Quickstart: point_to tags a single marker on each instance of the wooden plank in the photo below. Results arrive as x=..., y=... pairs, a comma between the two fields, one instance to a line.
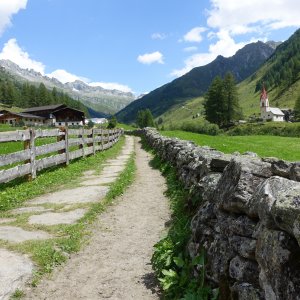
x=98, y=148
x=75, y=142
x=8, y=159
x=13, y=173
x=87, y=131
x=94, y=142
x=88, y=140
x=75, y=154
x=49, y=133
x=53, y=147
x=98, y=138
x=88, y=150
x=97, y=130
x=75, y=132
x=18, y=135
x=50, y=161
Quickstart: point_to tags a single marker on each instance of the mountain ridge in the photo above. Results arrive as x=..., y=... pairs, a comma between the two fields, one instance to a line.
x=196, y=82
x=97, y=98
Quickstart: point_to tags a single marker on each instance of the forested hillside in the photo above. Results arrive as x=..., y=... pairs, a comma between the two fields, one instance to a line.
x=14, y=93
x=196, y=82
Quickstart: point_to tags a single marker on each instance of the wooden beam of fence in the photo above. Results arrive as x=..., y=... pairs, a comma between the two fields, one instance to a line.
x=89, y=142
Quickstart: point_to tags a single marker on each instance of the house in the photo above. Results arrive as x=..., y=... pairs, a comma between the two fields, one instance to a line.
x=50, y=115
x=269, y=113
x=58, y=115
x=12, y=118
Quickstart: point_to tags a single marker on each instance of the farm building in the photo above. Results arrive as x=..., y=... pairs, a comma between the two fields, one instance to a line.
x=12, y=118
x=57, y=115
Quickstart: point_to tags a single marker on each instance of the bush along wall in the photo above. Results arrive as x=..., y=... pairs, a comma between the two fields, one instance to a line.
x=247, y=220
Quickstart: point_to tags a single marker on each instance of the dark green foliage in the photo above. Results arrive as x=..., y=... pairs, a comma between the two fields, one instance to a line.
x=272, y=128
x=284, y=65
x=112, y=123
x=297, y=109
x=144, y=118
x=196, y=82
x=203, y=127
x=26, y=95
x=221, y=101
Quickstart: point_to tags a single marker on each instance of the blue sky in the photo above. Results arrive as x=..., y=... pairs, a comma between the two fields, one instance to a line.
x=135, y=45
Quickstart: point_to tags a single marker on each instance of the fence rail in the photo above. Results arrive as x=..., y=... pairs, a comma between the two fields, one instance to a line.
x=70, y=144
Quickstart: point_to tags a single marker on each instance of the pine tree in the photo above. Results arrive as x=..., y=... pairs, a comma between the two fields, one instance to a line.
x=214, y=105
x=221, y=101
x=145, y=118
x=233, y=110
x=297, y=109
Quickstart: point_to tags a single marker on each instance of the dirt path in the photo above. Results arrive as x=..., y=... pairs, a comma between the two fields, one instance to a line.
x=116, y=263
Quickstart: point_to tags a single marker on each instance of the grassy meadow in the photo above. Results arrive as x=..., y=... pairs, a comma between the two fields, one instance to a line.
x=286, y=148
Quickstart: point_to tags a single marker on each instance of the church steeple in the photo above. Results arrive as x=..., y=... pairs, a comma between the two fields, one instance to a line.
x=264, y=101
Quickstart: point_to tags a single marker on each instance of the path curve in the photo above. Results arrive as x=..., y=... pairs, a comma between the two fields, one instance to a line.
x=116, y=263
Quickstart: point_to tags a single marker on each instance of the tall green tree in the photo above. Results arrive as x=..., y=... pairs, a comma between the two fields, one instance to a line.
x=214, y=104
x=221, y=101
x=112, y=123
x=233, y=109
x=144, y=118
x=297, y=109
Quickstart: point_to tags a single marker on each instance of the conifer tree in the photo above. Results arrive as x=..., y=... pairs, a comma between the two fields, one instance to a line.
x=297, y=109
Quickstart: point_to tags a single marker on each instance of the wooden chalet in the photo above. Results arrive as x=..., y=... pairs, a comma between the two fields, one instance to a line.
x=57, y=115
x=12, y=118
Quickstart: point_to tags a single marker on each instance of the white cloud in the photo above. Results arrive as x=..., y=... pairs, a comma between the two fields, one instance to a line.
x=196, y=60
x=240, y=17
x=112, y=86
x=194, y=35
x=150, y=58
x=64, y=76
x=190, y=49
x=158, y=36
x=13, y=52
x=7, y=9
x=224, y=46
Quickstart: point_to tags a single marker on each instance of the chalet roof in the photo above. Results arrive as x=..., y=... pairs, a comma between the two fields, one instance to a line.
x=70, y=108
x=276, y=111
x=46, y=107
x=23, y=115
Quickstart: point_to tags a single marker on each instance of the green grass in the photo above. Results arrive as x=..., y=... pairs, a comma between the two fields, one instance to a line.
x=14, y=193
x=182, y=113
x=126, y=126
x=286, y=148
x=47, y=254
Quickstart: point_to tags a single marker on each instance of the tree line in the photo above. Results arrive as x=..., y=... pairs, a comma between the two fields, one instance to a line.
x=24, y=95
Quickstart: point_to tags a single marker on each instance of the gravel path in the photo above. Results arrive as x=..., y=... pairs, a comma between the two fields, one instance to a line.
x=116, y=262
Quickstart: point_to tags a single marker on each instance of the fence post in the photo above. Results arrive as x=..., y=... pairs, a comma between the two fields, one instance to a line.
x=30, y=144
x=94, y=142
x=81, y=146
x=102, y=139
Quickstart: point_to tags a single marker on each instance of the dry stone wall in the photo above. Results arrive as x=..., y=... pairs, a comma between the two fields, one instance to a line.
x=248, y=219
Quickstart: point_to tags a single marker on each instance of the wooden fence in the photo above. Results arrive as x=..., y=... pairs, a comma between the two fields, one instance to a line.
x=70, y=144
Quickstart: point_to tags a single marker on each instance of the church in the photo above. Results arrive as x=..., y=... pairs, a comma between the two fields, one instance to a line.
x=269, y=113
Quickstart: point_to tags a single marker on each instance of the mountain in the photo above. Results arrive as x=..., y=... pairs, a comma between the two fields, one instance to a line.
x=97, y=98
x=281, y=76
x=196, y=82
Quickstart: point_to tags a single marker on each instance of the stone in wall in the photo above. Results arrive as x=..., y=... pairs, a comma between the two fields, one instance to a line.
x=248, y=218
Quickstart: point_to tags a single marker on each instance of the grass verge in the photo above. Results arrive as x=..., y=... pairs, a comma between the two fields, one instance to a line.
x=286, y=148
x=171, y=261
x=14, y=193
